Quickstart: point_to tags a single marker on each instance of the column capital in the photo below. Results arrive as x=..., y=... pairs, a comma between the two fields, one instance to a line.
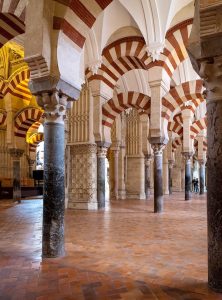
x=158, y=148
x=16, y=153
x=211, y=72
x=187, y=155
x=54, y=104
x=101, y=151
x=201, y=161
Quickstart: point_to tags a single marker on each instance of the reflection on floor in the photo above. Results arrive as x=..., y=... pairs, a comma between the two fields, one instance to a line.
x=124, y=253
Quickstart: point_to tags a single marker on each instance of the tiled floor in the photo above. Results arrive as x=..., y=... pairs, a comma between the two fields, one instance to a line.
x=124, y=253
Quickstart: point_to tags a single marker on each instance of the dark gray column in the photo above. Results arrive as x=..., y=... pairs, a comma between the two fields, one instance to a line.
x=206, y=54
x=148, y=159
x=101, y=173
x=158, y=177
x=202, y=176
x=16, y=154
x=188, y=175
x=116, y=171
x=54, y=185
x=214, y=192
x=171, y=162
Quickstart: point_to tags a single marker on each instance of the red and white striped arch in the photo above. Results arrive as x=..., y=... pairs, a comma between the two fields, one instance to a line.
x=177, y=142
x=34, y=140
x=121, y=102
x=130, y=53
x=179, y=95
x=178, y=118
x=175, y=47
x=25, y=119
x=118, y=58
x=76, y=17
x=3, y=117
x=12, y=17
x=176, y=127
x=204, y=144
x=197, y=127
x=35, y=126
x=17, y=85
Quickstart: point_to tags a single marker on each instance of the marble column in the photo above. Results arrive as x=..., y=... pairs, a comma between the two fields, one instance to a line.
x=188, y=175
x=214, y=192
x=202, y=175
x=54, y=104
x=16, y=154
x=165, y=173
x=101, y=173
x=116, y=171
x=170, y=164
x=148, y=159
x=122, y=185
x=158, y=177
x=206, y=54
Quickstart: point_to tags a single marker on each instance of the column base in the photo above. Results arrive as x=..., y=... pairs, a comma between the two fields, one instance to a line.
x=188, y=197
x=136, y=196
x=219, y=291
x=122, y=194
x=84, y=205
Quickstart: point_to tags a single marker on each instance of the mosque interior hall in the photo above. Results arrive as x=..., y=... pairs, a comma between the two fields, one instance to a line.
x=110, y=149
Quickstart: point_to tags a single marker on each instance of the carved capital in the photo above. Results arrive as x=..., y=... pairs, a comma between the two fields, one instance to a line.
x=101, y=152
x=201, y=162
x=16, y=153
x=187, y=156
x=157, y=149
x=54, y=105
x=211, y=72
x=155, y=49
x=95, y=65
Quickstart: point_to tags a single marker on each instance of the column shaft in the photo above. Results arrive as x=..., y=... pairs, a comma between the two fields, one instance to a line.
x=202, y=177
x=158, y=178
x=214, y=192
x=101, y=172
x=188, y=179
x=170, y=177
x=116, y=172
x=54, y=190
x=147, y=176
x=16, y=155
x=16, y=181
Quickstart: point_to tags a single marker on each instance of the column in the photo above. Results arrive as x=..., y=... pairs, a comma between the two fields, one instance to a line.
x=158, y=177
x=54, y=104
x=101, y=173
x=148, y=159
x=31, y=163
x=170, y=164
x=121, y=185
x=202, y=175
x=16, y=154
x=214, y=192
x=116, y=171
x=165, y=173
x=188, y=175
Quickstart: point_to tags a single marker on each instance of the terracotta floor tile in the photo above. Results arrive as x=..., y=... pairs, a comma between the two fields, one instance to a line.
x=126, y=252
